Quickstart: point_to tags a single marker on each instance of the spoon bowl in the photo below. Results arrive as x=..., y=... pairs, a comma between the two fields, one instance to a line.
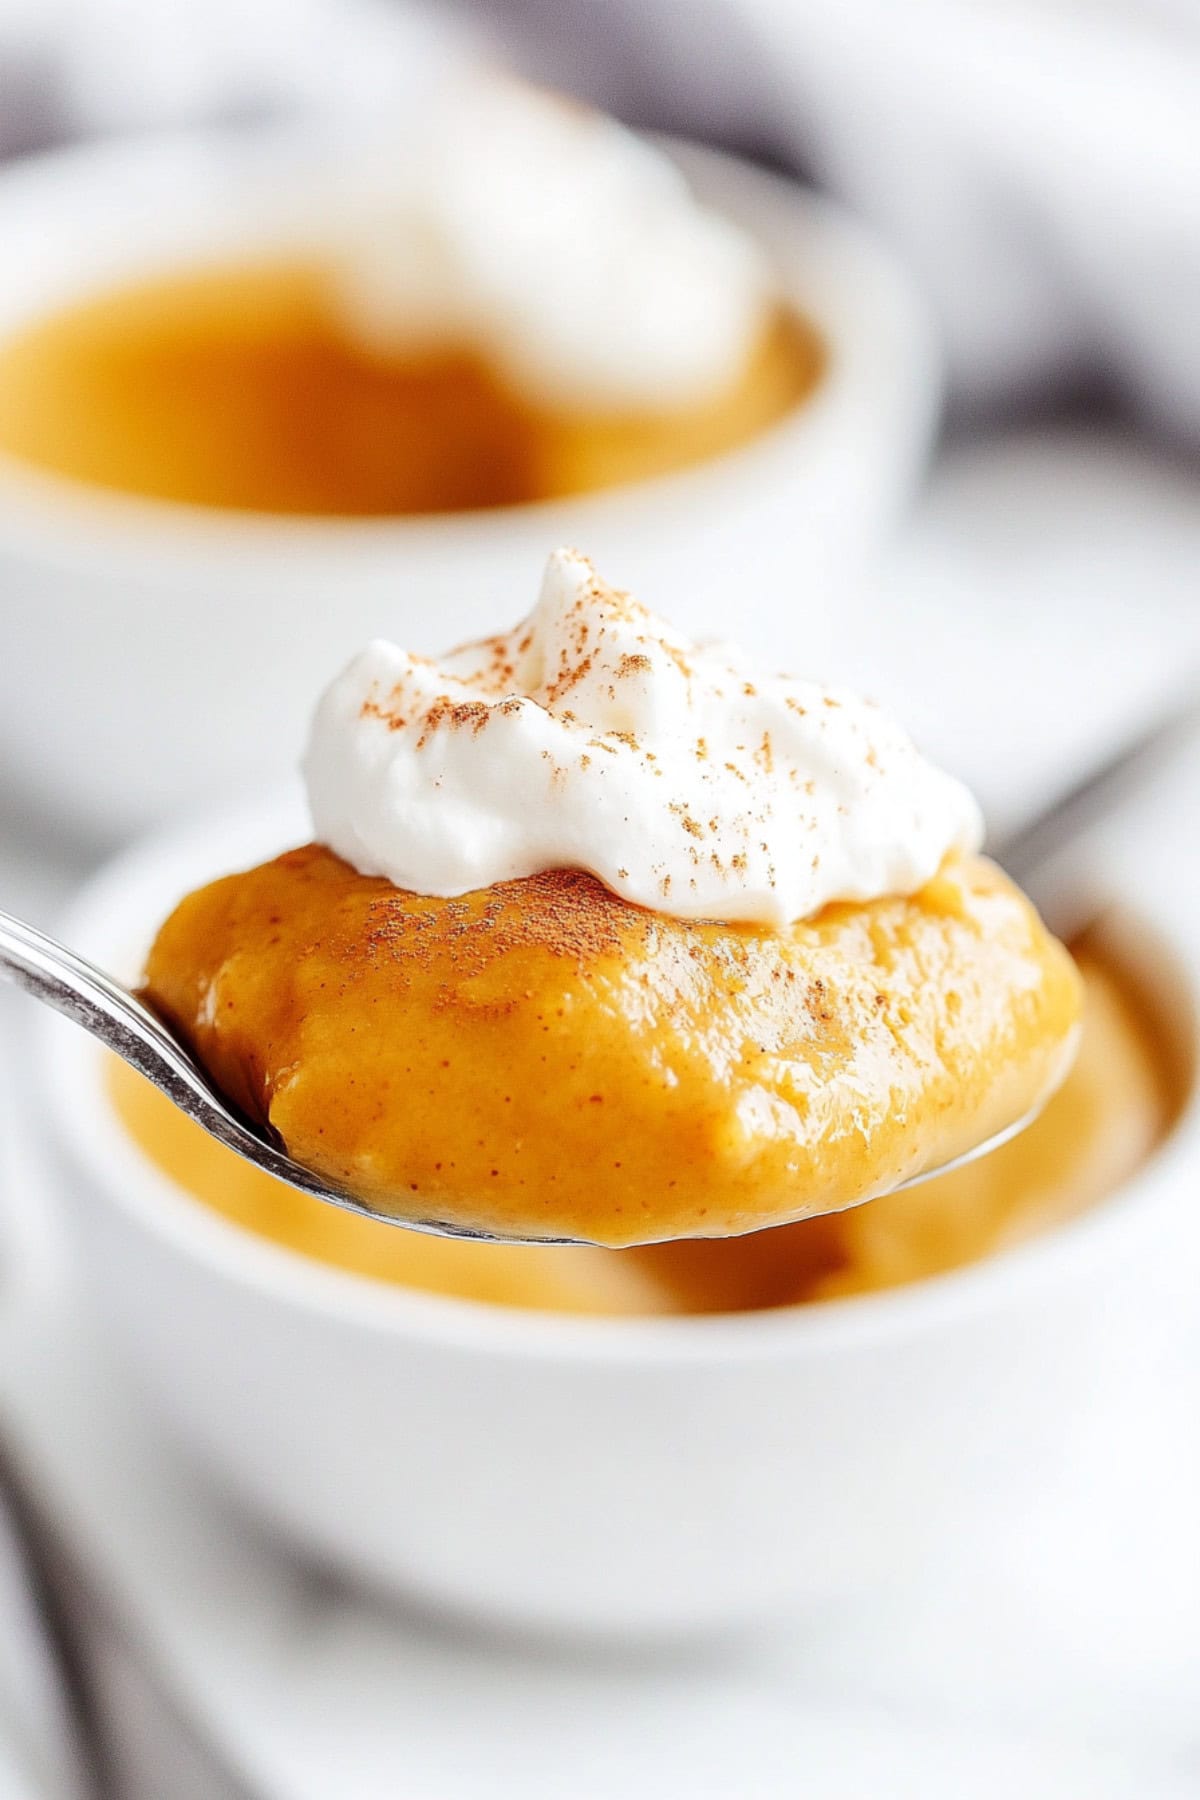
x=114, y=1014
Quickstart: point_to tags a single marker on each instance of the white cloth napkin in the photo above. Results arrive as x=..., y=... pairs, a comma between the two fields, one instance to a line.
x=39, y=1746
x=33, y=1729
x=110, y=65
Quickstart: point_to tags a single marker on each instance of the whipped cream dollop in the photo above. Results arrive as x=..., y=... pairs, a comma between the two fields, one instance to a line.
x=567, y=250
x=593, y=736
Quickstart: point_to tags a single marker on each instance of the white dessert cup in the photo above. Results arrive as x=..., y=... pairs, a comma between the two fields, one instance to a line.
x=607, y=1475
x=156, y=652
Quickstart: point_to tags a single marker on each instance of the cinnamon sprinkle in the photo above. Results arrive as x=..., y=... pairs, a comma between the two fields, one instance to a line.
x=471, y=715
x=564, y=912
x=371, y=709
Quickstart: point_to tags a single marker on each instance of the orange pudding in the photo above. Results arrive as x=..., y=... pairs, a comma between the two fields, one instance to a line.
x=1101, y=1125
x=543, y=1059
x=241, y=387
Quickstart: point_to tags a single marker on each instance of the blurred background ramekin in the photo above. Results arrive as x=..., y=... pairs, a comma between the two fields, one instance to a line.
x=634, y=1476
x=157, y=653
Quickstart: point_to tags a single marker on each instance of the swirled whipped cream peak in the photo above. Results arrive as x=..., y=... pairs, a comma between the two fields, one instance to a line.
x=565, y=249
x=595, y=737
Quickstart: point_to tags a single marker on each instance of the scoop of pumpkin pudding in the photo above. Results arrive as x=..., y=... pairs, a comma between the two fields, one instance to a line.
x=607, y=936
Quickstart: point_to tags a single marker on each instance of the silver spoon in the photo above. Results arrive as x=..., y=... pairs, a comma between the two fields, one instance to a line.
x=84, y=993
x=80, y=991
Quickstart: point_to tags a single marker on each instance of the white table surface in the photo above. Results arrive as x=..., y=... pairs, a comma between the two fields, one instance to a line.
x=1053, y=588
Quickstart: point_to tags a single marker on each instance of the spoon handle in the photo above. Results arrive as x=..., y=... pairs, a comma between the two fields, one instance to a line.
x=1104, y=791
x=85, y=994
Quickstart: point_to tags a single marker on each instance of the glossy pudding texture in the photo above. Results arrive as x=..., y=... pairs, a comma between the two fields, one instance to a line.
x=542, y=1059
x=243, y=386
x=1112, y=1109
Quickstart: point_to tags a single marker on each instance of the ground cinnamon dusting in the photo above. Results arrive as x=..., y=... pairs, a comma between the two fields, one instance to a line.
x=471, y=715
x=564, y=912
x=371, y=709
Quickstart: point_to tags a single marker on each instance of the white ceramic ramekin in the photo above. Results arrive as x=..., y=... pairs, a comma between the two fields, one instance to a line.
x=607, y=1475
x=155, y=652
